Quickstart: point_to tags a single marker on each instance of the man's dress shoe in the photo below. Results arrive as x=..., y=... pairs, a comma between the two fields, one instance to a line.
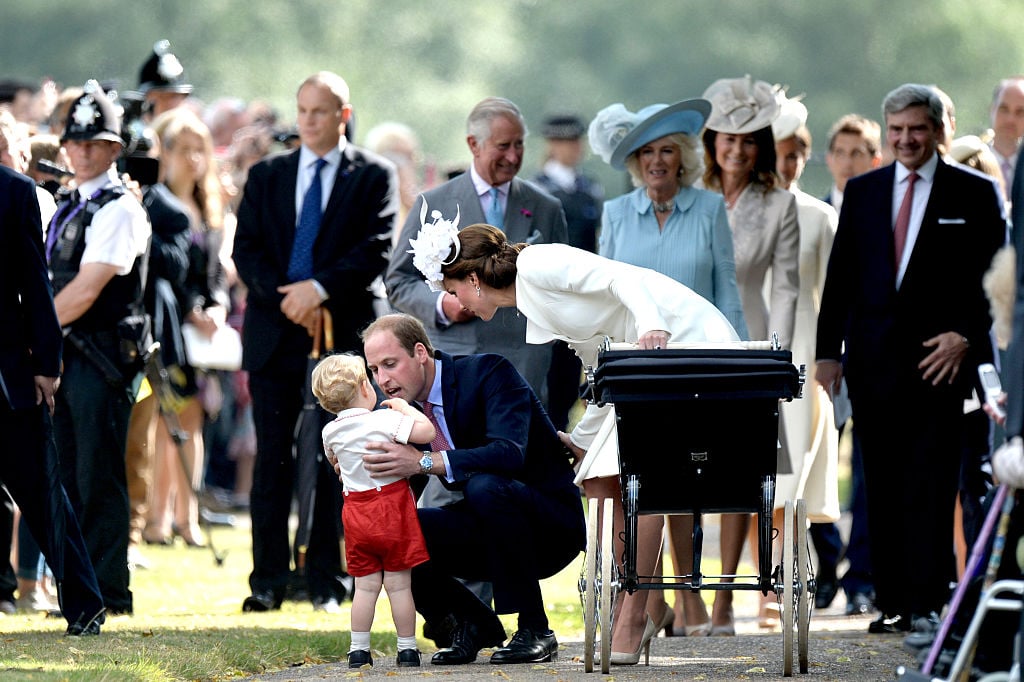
x=859, y=604
x=825, y=593
x=890, y=625
x=528, y=646
x=261, y=601
x=464, y=648
x=358, y=658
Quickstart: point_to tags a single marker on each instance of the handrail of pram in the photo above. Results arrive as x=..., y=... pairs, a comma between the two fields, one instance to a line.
x=723, y=345
x=770, y=344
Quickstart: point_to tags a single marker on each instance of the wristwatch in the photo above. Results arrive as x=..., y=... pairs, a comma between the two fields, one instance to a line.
x=426, y=463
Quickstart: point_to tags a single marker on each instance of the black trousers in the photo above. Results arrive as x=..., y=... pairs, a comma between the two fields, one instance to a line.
x=504, y=532
x=278, y=395
x=29, y=469
x=91, y=428
x=911, y=442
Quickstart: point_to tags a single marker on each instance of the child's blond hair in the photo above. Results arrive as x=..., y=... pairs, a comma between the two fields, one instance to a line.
x=336, y=381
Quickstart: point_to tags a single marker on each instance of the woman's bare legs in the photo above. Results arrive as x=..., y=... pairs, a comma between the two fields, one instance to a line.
x=631, y=612
x=734, y=534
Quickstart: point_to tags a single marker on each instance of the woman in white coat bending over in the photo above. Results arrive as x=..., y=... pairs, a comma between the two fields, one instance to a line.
x=580, y=298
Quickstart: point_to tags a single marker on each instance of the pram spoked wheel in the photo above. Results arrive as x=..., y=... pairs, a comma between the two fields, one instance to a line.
x=598, y=585
x=796, y=586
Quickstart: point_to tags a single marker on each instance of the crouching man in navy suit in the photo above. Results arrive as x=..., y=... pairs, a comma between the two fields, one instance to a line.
x=520, y=519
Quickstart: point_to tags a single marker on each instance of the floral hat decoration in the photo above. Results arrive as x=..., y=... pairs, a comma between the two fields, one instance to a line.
x=740, y=106
x=435, y=245
x=616, y=132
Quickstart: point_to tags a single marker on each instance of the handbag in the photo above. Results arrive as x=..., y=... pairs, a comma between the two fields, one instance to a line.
x=222, y=351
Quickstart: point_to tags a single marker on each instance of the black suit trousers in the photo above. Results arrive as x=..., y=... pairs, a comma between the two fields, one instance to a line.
x=278, y=394
x=30, y=471
x=503, y=531
x=911, y=470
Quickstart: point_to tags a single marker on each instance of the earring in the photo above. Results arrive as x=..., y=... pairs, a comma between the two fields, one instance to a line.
x=478, y=291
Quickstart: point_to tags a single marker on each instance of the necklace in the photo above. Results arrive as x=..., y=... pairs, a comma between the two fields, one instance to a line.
x=662, y=206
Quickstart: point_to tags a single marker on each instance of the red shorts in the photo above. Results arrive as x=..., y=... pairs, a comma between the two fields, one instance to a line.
x=382, y=531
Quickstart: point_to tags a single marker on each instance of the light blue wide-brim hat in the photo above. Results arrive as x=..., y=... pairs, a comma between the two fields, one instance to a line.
x=621, y=133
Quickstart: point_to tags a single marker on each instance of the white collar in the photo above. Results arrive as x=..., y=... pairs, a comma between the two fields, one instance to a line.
x=483, y=187
x=926, y=172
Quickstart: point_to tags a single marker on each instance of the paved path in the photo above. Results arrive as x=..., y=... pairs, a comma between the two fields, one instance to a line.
x=839, y=649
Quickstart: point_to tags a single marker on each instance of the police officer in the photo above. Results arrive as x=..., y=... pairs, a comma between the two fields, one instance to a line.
x=581, y=199
x=97, y=246
x=162, y=83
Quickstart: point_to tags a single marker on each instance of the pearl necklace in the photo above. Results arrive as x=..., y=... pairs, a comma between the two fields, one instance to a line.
x=662, y=206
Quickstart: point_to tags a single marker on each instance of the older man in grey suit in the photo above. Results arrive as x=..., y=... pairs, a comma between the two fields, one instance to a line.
x=489, y=192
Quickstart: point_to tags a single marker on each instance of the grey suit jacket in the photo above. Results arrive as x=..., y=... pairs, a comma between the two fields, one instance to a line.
x=531, y=215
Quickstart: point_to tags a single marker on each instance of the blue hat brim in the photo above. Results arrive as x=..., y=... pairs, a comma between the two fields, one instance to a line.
x=686, y=117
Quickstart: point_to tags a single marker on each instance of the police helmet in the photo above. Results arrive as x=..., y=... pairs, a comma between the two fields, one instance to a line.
x=93, y=117
x=163, y=71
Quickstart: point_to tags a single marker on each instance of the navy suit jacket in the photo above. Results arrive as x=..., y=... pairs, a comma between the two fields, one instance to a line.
x=531, y=215
x=499, y=426
x=963, y=226
x=349, y=253
x=31, y=342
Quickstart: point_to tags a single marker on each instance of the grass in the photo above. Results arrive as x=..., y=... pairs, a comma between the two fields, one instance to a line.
x=188, y=625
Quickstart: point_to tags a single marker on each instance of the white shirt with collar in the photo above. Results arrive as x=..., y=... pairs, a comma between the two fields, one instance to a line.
x=483, y=190
x=922, y=191
x=120, y=231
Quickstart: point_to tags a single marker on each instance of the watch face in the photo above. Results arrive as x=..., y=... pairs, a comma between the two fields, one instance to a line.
x=426, y=463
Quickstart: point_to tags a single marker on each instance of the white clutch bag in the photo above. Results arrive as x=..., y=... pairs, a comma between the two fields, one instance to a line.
x=221, y=351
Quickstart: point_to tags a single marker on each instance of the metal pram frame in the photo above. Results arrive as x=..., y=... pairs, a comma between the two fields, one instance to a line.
x=717, y=405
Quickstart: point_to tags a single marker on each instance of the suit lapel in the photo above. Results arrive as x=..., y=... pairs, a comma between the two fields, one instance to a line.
x=346, y=165
x=518, y=213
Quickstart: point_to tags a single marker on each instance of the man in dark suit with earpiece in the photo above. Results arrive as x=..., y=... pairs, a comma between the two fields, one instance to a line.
x=314, y=226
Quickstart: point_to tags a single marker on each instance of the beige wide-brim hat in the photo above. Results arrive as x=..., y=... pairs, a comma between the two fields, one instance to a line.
x=741, y=105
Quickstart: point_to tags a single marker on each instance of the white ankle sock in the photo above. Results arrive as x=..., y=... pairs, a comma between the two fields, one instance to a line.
x=360, y=641
x=406, y=643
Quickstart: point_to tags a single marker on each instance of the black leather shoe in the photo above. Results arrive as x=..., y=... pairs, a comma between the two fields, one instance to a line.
x=527, y=646
x=889, y=625
x=859, y=604
x=464, y=648
x=825, y=593
x=359, y=658
x=441, y=631
x=408, y=658
x=85, y=626
x=261, y=601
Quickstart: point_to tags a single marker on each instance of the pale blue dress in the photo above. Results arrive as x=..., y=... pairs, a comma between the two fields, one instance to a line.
x=695, y=247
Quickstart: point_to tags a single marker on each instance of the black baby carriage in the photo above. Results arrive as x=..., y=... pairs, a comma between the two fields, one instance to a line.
x=721, y=405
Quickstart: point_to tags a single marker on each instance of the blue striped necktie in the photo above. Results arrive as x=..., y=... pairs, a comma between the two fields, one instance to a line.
x=300, y=265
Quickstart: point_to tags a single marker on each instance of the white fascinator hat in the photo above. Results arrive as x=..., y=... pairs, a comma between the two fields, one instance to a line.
x=436, y=244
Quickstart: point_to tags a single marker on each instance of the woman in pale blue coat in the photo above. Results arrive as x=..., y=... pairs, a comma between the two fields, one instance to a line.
x=668, y=225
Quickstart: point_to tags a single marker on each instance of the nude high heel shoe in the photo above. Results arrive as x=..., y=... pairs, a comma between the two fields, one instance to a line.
x=619, y=658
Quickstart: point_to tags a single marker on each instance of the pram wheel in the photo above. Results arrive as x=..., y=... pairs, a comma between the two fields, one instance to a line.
x=795, y=583
x=588, y=586
x=608, y=583
x=598, y=584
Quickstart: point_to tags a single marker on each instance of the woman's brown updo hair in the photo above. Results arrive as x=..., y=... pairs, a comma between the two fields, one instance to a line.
x=486, y=251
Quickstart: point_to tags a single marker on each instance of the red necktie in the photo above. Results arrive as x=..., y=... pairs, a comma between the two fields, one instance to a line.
x=440, y=443
x=903, y=219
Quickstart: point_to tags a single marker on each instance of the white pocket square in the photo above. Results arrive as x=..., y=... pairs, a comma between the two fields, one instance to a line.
x=952, y=221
